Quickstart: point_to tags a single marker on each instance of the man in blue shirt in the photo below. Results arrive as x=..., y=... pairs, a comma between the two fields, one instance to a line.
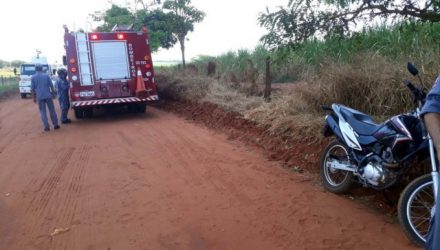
x=431, y=115
x=42, y=91
x=63, y=94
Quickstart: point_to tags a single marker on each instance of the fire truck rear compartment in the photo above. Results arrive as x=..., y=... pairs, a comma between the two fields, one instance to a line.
x=109, y=69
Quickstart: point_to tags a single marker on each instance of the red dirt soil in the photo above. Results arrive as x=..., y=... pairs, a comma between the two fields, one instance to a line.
x=277, y=147
x=156, y=181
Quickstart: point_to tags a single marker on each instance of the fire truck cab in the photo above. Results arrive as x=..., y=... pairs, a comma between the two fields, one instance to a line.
x=109, y=68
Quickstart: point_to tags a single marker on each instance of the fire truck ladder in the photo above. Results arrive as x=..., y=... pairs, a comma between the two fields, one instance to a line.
x=84, y=60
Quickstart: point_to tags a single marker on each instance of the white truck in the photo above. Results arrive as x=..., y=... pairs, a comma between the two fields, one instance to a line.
x=27, y=70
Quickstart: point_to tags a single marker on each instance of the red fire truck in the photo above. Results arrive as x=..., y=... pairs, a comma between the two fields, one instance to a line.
x=109, y=68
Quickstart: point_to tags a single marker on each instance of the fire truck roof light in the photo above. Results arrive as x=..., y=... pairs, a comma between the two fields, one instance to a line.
x=94, y=36
x=120, y=36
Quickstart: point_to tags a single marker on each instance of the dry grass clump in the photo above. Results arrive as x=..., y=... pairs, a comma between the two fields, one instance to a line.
x=289, y=115
x=372, y=85
x=182, y=86
x=232, y=98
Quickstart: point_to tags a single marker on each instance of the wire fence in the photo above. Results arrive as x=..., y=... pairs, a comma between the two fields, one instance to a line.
x=8, y=84
x=7, y=80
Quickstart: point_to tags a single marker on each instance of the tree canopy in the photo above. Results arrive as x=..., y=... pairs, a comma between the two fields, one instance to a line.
x=305, y=19
x=168, y=24
x=115, y=15
x=183, y=18
x=158, y=23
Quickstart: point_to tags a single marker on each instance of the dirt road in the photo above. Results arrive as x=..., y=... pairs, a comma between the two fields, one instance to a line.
x=156, y=181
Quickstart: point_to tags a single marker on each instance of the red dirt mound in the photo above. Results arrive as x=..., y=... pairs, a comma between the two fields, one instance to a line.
x=294, y=154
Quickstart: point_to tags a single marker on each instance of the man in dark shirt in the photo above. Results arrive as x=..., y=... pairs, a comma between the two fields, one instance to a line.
x=43, y=92
x=63, y=94
x=431, y=115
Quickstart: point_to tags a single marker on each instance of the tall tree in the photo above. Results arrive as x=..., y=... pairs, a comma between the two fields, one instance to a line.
x=146, y=3
x=3, y=63
x=184, y=16
x=159, y=24
x=17, y=63
x=304, y=19
x=112, y=16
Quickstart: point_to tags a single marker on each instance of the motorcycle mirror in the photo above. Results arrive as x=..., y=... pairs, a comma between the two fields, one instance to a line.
x=412, y=69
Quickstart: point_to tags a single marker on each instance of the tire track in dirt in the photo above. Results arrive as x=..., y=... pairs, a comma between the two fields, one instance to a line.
x=48, y=185
x=68, y=208
x=47, y=188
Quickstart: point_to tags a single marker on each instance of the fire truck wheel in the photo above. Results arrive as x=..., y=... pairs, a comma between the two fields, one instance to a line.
x=23, y=95
x=79, y=113
x=141, y=108
x=137, y=108
x=88, y=113
x=131, y=108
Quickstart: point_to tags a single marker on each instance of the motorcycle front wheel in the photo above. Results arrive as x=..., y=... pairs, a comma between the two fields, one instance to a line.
x=415, y=207
x=336, y=180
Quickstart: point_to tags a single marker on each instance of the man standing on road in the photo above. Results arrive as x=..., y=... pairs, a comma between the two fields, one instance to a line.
x=63, y=94
x=431, y=115
x=43, y=92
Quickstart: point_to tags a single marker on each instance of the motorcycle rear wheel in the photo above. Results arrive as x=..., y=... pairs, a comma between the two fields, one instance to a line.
x=336, y=180
x=415, y=207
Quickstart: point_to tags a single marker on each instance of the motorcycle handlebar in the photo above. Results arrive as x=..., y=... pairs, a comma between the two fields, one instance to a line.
x=409, y=84
x=325, y=107
x=418, y=94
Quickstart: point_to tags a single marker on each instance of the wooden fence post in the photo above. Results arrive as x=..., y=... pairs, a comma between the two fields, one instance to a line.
x=268, y=87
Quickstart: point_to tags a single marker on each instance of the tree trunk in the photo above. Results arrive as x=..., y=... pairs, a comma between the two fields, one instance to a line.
x=182, y=49
x=268, y=87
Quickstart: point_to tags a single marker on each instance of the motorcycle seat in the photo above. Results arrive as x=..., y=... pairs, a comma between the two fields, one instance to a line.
x=362, y=123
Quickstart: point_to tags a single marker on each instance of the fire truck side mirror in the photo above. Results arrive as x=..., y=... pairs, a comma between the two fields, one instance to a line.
x=65, y=60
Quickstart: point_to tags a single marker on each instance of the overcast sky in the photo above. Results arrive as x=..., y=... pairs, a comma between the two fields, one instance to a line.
x=29, y=25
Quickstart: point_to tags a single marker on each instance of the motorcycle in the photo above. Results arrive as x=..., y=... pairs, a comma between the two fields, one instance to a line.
x=378, y=155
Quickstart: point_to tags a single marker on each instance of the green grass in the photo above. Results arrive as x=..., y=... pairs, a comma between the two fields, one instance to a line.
x=6, y=73
x=8, y=81
x=403, y=40
x=5, y=88
x=406, y=41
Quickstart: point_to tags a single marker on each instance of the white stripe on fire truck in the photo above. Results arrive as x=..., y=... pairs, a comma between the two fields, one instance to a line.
x=116, y=100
